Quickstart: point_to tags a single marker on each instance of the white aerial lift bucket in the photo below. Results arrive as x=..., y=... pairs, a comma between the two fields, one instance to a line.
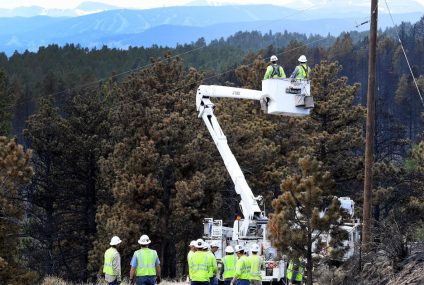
x=288, y=98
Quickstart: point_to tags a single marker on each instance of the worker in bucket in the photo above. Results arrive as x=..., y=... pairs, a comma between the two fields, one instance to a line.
x=242, y=274
x=302, y=71
x=256, y=265
x=112, y=264
x=274, y=70
x=145, y=264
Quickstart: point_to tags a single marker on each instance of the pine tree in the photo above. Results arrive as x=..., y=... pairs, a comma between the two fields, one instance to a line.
x=64, y=192
x=333, y=132
x=15, y=172
x=415, y=205
x=298, y=221
x=44, y=134
x=154, y=126
x=6, y=106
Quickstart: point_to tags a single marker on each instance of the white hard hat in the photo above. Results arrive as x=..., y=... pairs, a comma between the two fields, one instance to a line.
x=144, y=240
x=193, y=243
x=239, y=247
x=215, y=243
x=273, y=58
x=199, y=243
x=206, y=245
x=229, y=249
x=115, y=240
x=302, y=58
x=255, y=248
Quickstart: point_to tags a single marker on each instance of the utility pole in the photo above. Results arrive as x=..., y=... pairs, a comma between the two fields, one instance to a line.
x=369, y=142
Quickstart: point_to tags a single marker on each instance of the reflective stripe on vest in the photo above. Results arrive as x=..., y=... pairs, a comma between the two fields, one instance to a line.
x=255, y=267
x=229, y=262
x=198, y=266
x=243, y=268
x=275, y=71
x=108, y=265
x=303, y=71
x=213, y=267
x=146, y=262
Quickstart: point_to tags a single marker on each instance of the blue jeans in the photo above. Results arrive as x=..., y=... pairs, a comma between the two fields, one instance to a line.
x=145, y=280
x=199, y=283
x=228, y=281
x=213, y=281
x=242, y=282
x=114, y=282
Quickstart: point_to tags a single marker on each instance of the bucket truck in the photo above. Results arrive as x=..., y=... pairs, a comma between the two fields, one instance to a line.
x=278, y=97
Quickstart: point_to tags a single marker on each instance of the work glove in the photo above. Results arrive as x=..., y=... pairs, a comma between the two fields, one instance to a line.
x=158, y=279
x=131, y=281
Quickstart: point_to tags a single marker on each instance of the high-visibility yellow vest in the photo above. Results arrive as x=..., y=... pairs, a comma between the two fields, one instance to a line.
x=243, y=268
x=274, y=71
x=109, y=255
x=189, y=254
x=298, y=271
x=255, y=267
x=304, y=71
x=229, y=262
x=146, y=262
x=213, y=264
x=198, y=266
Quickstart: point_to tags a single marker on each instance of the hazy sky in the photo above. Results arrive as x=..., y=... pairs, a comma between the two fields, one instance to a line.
x=146, y=4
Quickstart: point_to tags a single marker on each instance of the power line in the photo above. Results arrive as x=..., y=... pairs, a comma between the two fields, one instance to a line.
x=404, y=53
x=175, y=56
x=151, y=64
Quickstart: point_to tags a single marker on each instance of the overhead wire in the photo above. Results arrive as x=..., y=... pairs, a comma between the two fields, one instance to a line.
x=221, y=74
x=175, y=56
x=404, y=53
x=96, y=82
x=86, y=85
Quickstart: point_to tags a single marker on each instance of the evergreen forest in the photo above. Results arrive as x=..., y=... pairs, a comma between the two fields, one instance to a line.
x=103, y=142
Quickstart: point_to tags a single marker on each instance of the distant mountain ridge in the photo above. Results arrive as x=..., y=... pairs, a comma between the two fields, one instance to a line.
x=167, y=26
x=84, y=8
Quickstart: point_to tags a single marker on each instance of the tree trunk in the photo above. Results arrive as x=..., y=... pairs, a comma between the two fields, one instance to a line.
x=309, y=264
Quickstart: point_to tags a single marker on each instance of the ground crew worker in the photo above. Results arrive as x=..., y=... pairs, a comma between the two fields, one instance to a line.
x=145, y=264
x=242, y=274
x=229, y=265
x=191, y=251
x=199, y=265
x=112, y=264
x=274, y=70
x=214, y=248
x=213, y=269
x=256, y=265
x=302, y=71
x=295, y=271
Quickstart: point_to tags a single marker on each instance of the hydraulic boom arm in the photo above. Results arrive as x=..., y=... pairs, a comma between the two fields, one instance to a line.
x=248, y=204
x=274, y=99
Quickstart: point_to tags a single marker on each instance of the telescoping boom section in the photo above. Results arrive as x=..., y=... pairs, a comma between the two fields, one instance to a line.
x=279, y=97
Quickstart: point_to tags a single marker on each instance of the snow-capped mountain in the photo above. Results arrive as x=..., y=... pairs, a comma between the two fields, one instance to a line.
x=168, y=26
